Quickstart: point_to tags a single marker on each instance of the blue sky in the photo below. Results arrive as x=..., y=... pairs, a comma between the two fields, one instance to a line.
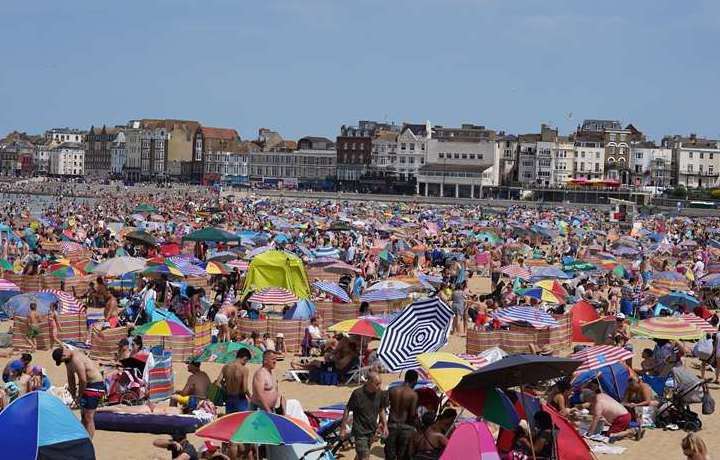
x=304, y=67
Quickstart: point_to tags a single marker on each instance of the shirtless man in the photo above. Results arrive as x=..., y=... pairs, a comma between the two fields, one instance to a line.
x=110, y=312
x=90, y=388
x=402, y=418
x=639, y=394
x=33, y=327
x=266, y=394
x=605, y=407
x=195, y=390
x=234, y=378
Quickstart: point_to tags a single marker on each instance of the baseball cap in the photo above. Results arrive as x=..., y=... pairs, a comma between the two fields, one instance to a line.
x=57, y=355
x=17, y=365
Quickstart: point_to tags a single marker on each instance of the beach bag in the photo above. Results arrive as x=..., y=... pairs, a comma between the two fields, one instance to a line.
x=708, y=403
x=704, y=350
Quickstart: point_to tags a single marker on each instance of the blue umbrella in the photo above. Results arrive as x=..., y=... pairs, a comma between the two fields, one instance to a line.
x=679, y=298
x=382, y=295
x=39, y=426
x=540, y=273
x=19, y=305
x=613, y=379
x=333, y=289
x=303, y=309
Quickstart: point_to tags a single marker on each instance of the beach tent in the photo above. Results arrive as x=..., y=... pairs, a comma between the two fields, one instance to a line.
x=581, y=313
x=277, y=269
x=471, y=440
x=39, y=426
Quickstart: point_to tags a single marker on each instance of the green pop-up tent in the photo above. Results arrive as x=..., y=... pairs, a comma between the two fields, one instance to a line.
x=277, y=269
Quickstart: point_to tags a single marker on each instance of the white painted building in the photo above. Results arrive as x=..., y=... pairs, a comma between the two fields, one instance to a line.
x=695, y=160
x=650, y=164
x=227, y=165
x=67, y=159
x=60, y=135
x=385, y=153
x=412, y=146
x=564, y=160
x=589, y=162
x=118, y=154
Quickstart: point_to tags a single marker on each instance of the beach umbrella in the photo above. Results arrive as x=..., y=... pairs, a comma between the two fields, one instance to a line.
x=224, y=256
x=273, y=296
x=259, y=428
x=710, y=281
x=212, y=234
x=188, y=269
x=670, y=281
x=600, y=330
x=530, y=315
x=679, y=298
x=517, y=371
x=144, y=207
x=445, y=369
x=303, y=309
x=422, y=327
x=600, y=356
x=553, y=286
x=327, y=252
x=241, y=265
x=163, y=328
x=6, y=285
x=70, y=248
x=699, y=323
x=163, y=269
x=5, y=265
x=118, y=266
x=217, y=268
x=388, y=284
x=68, y=302
x=670, y=328
x=66, y=271
x=141, y=236
x=429, y=281
x=257, y=251
x=39, y=426
x=333, y=289
x=359, y=326
x=539, y=273
x=384, y=295
x=541, y=294
x=322, y=261
x=19, y=305
x=471, y=439
x=226, y=352
x=491, y=404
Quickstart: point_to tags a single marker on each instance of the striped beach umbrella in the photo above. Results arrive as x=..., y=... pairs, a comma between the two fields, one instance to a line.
x=68, y=302
x=259, y=428
x=359, y=326
x=189, y=269
x=384, y=295
x=531, y=315
x=241, y=265
x=163, y=328
x=333, y=289
x=273, y=296
x=422, y=327
x=699, y=323
x=540, y=294
x=516, y=271
x=670, y=328
x=600, y=356
x=329, y=252
x=6, y=285
x=388, y=284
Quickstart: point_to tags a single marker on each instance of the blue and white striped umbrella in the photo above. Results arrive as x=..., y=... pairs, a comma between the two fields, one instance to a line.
x=383, y=295
x=327, y=252
x=189, y=269
x=332, y=289
x=531, y=315
x=422, y=327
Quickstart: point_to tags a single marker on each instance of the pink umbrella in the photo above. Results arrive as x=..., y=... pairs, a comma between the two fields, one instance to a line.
x=471, y=440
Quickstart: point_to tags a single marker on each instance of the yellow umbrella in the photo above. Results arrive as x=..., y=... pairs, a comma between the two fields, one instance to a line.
x=445, y=369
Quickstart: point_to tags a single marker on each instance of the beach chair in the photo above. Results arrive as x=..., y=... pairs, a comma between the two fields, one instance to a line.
x=297, y=375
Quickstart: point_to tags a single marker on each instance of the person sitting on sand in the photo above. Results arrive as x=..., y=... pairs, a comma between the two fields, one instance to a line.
x=194, y=391
x=639, y=394
x=429, y=443
x=179, y=447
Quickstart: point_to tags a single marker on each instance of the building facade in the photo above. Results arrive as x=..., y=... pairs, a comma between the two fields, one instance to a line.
x=60, y=135
x=650, y=164
x=312, y=164
x=118, y=155
x=695, y=160
x=67, y=159
x=16, y=154
x=98, y=149
x=354, y=151
x=220, y=155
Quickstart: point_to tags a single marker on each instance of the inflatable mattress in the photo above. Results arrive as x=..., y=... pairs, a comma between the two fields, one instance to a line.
x=146, y=423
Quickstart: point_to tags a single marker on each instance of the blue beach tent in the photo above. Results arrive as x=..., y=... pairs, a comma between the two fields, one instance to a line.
x=38, y=426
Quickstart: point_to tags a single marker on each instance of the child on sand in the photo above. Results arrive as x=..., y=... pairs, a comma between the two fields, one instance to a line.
x=54, y=325
x=33, y=327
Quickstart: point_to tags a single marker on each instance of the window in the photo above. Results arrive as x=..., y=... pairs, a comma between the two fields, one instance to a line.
x=597, y=167
x=690, y=168
x=711, y=169
x=412, y=147
x=403, y=146
x=402, y=160
x=700, y=167
x=711, y=156
x=690, y=155
x=702, y=155
x=638, y=155
x=362, y=146
x=441, y=155
x=582, y=154
x=456, y=156
x=464, y=156
x=472, y=156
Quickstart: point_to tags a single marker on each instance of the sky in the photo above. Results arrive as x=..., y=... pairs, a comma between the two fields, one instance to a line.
x=305, y=67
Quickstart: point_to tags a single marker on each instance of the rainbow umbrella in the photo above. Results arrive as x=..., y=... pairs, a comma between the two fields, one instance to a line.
x=67, y=271
x=670, y=328
x=259, y=428
x=163, y=328
x=554, y=287
x=492, y=404
x=541, y=294
x=216, y=268
x=362, y=327
x=164, y=269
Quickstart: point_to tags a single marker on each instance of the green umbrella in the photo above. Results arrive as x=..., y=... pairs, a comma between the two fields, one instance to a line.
x=225, y=352
x=142, y=237
x=212, y=234
x=5, y=265
x=144, y=207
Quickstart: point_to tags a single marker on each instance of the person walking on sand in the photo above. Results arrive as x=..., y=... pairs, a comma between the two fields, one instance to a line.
x=402, y=418
x=54, y=324
x=367, y=404
x=266, y=394
x=88, y=389
x=33, y=327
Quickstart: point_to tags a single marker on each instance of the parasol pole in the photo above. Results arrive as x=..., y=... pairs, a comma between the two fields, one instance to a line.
x=530, y=434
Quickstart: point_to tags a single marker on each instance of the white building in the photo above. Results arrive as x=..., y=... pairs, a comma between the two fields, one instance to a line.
x=456, y=160
x=60, y=135
x=412, y=149
x=67, y=159
x=118, y=154
x=41, y=157
x=227, y=165
x=564, y=160
x=695, y=160
x=589, y=162
x=384, y=157
x=650, y=164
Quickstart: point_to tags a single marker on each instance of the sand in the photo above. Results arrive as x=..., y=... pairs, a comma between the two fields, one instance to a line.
x=657, y=444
